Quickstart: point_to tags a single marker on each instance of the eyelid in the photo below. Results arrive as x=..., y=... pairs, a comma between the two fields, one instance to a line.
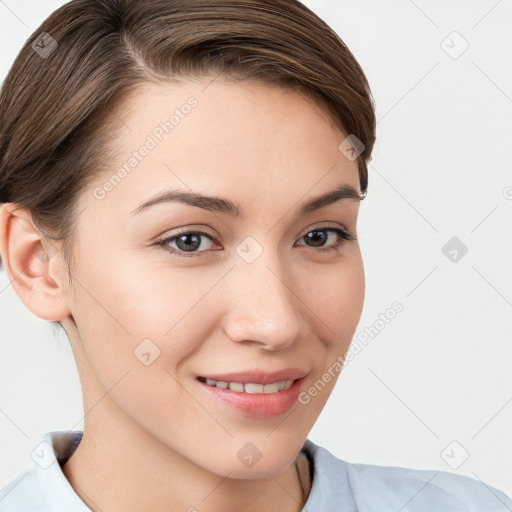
x=324, y=225
x=194, y=228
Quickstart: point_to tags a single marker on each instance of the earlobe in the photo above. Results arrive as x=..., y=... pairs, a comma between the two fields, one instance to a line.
x=31, y=263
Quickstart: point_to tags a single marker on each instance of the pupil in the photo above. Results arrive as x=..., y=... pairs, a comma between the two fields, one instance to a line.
x=188, y=246
x=316, y=236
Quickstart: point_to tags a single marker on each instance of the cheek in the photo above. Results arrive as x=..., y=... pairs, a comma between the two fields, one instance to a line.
x=336, y=299
x=335, y=296
x=131, y=313
x=134, y=333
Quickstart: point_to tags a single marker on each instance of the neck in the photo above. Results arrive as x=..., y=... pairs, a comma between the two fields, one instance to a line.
x=131, y=473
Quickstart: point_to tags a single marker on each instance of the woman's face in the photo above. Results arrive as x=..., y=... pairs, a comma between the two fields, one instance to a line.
x=261, y=290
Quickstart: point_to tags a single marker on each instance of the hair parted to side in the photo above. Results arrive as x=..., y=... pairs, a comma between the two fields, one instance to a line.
x=57, y=113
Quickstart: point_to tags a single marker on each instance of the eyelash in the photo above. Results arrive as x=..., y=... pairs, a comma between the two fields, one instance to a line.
x=343, y=236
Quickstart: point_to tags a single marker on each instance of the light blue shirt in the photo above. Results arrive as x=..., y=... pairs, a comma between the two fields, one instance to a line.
x=338, y=486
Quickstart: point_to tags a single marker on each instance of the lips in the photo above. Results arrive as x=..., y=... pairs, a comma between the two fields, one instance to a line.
x=255, y=393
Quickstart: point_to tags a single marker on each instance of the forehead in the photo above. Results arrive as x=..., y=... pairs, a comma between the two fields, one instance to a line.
x=225, y=110
x=241, y=138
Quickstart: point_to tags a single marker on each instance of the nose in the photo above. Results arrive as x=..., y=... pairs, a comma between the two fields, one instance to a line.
x=263, y=306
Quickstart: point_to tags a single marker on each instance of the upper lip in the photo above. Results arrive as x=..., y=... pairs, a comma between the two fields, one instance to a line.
x=258, y=376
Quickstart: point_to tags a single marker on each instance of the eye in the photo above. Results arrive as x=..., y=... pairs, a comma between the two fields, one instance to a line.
x=318, y=238
x=187, y=241
x=191, y=241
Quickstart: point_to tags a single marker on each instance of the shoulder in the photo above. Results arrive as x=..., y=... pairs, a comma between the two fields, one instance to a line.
x=375, y=488
x=22, y=488
x=43, y=487
x=414, y=489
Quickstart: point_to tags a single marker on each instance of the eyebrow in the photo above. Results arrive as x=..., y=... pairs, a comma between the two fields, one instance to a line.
x=221, y=205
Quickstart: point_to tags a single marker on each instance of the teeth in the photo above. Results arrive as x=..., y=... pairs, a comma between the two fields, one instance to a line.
x=251, y=387
x=273, y=388
x=236, y=386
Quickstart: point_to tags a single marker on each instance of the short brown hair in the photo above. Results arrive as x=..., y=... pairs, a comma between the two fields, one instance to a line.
x=56, y=109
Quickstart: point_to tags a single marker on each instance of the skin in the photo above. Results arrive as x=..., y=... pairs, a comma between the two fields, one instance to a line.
x=152, y=439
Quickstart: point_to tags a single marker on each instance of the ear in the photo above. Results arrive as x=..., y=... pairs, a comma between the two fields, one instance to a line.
x=33, y=264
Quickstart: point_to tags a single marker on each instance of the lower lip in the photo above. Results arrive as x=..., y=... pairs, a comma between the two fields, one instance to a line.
x=257, y=405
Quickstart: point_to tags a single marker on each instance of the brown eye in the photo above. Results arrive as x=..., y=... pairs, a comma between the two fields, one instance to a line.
x=186, y=242
x=318, y=237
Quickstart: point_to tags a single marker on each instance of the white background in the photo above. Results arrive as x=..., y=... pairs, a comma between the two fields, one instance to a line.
x=441, y=370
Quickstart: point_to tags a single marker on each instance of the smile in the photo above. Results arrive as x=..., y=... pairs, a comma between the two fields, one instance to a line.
x=253, y=393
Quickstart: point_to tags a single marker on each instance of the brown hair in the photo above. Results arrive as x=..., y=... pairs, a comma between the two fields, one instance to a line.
x=76, y=69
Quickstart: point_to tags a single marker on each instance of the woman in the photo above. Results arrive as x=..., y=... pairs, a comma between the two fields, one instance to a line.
x=181, y=195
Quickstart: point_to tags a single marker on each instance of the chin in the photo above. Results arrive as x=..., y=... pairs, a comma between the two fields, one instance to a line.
x=260, y=470
x=256, y=459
